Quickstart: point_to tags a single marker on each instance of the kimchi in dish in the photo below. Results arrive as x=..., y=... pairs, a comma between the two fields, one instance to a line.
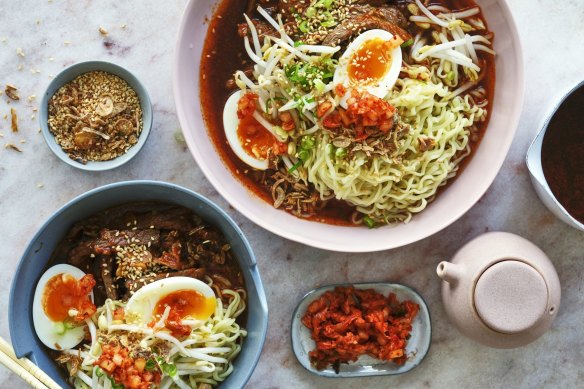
x=141, y=296
x=346, y=323
x=351, y=112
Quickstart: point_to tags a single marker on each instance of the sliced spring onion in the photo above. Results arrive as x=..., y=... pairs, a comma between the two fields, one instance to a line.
x=303, y=155
x=407, y=43
x=340, y=152
x=370, y=223
x=295, y=166
x=303, y=26
x=59, y=328
x=169, y=369
x=150, y=365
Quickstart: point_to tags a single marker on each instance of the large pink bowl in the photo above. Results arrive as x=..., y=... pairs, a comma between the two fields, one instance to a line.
x=458, y=198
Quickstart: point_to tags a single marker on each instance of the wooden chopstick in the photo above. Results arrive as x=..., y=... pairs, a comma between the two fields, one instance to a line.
x=25, y=369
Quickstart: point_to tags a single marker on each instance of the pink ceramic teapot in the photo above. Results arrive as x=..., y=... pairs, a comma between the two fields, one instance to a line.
x=500, y=290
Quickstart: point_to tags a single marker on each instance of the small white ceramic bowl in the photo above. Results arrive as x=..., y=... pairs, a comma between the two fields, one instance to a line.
x=451, y=204
x=533, y=160
x=70, y=73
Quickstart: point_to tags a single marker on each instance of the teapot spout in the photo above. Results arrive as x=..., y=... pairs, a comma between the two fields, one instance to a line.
x=449, y=272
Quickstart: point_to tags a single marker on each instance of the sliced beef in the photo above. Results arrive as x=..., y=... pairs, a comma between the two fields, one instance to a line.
x=107, y=270
x=173, y=218
x=287, y=8
x=134, y=285
x=262, y=28
x=81, y=253
x=391, y=13
x=356, y=25
x=109, y=239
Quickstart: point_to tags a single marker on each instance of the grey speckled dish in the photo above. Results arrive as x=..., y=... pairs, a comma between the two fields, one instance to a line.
x=34, y=261
x=417, y=347
x=69, y=74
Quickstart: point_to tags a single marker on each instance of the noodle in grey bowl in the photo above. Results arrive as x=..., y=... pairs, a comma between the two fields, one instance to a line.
x=292, y=131
x=197, y=318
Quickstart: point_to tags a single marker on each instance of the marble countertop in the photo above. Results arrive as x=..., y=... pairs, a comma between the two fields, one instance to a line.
x=38, y=38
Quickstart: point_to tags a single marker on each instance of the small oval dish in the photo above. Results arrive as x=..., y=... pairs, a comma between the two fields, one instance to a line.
x=71, y=73
x=416, y=348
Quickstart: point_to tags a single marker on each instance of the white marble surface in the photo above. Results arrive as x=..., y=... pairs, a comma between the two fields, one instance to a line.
x=141, y=37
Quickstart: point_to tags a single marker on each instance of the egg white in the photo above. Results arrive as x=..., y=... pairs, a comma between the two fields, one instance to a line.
x=141, y=305
x=43, y=325
x=230, y=124
x=381, y=87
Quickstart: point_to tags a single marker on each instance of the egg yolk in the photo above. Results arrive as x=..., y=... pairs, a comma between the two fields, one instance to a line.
x=254, y=138
x=186, y=303
x=63, y=292
x=370, y=62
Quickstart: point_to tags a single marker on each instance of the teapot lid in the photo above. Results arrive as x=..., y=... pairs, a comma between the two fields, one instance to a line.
x=510, y=296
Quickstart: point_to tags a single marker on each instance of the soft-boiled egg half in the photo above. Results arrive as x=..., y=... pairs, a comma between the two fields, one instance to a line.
x=248, y=139
x=186, y=297
x=371, y=62
x=54, y=303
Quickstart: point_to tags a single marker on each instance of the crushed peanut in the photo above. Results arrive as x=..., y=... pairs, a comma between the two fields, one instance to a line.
x=95, y=117
x=12, y=92
x=13, y=147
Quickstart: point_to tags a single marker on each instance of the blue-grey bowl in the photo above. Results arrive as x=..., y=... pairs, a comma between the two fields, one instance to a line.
x=70, y=73
x=34, y=262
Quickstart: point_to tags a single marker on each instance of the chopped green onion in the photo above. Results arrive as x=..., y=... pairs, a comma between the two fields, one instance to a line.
x=327, y=3
x=328, y=23
x=369, y=222
x=59, y=328
x=340, y=152
x=407, y=43
x=303, y=26
x=310, y=12
x=69, y=325
x=99, y=372
x=150, y=365
x=169, y=369
x=298, y=43
x=295, y=166
x=303, y=155
x=319, y=85
x=307, y=142
x=117, y=386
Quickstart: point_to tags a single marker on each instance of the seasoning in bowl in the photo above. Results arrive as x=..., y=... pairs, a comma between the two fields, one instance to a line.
x=346, y=323
x=95, y=117
x=562, y=154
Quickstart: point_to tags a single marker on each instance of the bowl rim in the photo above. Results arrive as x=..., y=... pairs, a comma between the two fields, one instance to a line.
x=253, y=268
x=534, y=153
x=346, y=246
x=62, y=78
x=369, y=285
